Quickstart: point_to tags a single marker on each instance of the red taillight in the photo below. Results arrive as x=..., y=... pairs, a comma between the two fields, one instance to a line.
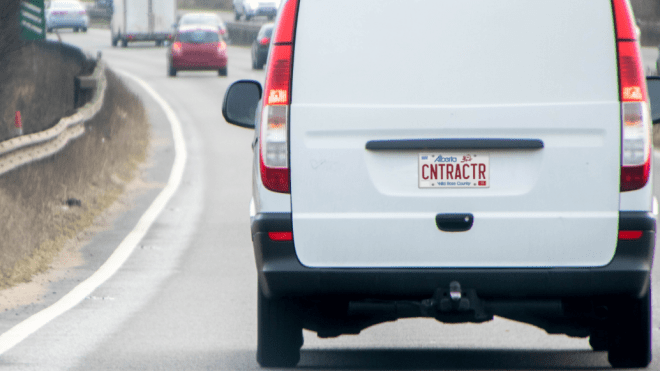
x=274, y=135
x=630, y=235
x=280, y=236
x=176, y=47
x=631, y=74
x=625, y=28
x=635, y=177
x=286, y=24
x=635, y=114
x=278, y=80
x=264, y=41
x=222, y=46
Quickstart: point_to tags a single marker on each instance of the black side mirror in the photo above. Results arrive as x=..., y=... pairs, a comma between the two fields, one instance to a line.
x=241, y=102
x=653, y=85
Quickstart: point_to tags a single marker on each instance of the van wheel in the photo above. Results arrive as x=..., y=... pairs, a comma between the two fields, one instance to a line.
x=237, y=17
x=279, y=332
x=222, y=71
x=171, y=71
x=630, y=333
x=598, y=340
x=124, y=43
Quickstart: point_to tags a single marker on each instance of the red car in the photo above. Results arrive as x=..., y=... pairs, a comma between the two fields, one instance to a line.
x=198, y=48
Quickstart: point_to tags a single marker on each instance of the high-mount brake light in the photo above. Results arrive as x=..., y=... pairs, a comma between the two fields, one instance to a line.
x=635, y=113
x=274, y=136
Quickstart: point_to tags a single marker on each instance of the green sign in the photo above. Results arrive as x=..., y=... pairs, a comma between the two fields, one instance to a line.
x=33, y=23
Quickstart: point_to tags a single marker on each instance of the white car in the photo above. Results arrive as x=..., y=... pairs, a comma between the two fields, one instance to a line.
x=66, y=14
x=255, y=8
x=395, y=180
x=203, y=19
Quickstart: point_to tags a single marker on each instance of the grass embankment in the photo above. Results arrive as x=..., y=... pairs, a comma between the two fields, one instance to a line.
x=89, y=173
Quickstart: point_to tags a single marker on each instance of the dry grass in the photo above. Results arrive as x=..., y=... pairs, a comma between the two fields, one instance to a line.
x=91, y=169
x=38, y=80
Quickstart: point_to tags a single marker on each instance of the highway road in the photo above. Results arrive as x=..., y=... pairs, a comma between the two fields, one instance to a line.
x=185, y=298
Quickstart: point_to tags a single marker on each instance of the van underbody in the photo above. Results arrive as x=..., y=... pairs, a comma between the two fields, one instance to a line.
x=573, y=301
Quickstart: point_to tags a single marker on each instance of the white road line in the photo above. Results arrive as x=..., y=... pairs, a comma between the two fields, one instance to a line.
x=24, y=329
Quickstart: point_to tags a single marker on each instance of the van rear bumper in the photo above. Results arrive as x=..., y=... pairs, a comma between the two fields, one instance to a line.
x=281, y=273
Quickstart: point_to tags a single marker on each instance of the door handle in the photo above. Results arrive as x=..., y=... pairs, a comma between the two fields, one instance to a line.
x=454, y=222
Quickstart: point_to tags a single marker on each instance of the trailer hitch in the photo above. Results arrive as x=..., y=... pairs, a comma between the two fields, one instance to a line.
x=455, y=305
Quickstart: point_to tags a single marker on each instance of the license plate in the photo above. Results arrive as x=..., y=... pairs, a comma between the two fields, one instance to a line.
x=454, y=170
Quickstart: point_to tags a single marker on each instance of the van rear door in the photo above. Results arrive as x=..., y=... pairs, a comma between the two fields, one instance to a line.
x=524, y=93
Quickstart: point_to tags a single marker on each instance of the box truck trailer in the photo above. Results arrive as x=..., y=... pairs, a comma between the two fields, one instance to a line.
x=143, y=20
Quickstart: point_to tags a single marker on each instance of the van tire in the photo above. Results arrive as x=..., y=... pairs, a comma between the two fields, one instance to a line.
x=630, y=333
x=279, y=332
x=598, y=341
x=222, y=71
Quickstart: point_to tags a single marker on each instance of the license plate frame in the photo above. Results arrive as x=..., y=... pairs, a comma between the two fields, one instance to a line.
x=453, y=170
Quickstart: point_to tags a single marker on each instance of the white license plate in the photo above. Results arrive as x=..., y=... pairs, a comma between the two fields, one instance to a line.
x=454, y=170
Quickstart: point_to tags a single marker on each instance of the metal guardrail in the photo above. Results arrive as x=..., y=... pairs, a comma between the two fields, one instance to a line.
x=24, y=149
x=99, y=13
x=242, y=33
x=650, y=31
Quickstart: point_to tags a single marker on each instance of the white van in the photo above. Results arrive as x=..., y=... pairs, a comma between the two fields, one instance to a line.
x=487, y=158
